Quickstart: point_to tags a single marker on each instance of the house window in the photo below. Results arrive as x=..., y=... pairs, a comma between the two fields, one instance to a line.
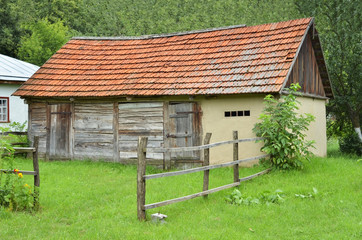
x=4, y=109
x=238, y=113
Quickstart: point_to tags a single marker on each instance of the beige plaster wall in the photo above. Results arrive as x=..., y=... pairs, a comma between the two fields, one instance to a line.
x=317, y=129
x=221, y=127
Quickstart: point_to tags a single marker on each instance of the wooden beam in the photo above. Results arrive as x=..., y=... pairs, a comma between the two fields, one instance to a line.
x=196, y=148
x=20, y=171
x=15, y=133
x=255, y=175
x=206, y=163
x=141, y=182
x=181, y=199
x=198, y=169
x=22, y=149
x=236, y=156
x=116, y=155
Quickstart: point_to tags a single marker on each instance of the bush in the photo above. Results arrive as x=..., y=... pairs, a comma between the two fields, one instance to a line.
x=15, y=195
x=350, y=144
x=284, y=131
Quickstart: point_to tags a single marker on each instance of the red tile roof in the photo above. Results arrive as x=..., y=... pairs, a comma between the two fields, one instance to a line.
x=231, y=60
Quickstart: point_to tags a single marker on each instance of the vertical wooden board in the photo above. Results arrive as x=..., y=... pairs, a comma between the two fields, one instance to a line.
x=37, y=124
x=60, y=123
x=184, y=128
x=116, y=156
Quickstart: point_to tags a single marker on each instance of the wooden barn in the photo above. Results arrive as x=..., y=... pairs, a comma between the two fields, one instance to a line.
x=97, y=95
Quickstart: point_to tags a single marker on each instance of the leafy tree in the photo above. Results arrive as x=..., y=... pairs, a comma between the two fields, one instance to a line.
x=339, y=25
x=283, y=130
x=9, y=28
x=45, y=39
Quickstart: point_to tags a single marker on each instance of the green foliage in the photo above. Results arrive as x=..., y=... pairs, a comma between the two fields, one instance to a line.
x=45, y=39
x=15, y=194
x=284, y=131
x=10, y=31
x=265, y=197
x=351, y=144
x=339, y=25
x=308, y=195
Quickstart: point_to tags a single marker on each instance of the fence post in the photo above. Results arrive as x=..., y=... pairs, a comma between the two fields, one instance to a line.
x=236, y=156
x=141, y=182
x=206, y=163
x=36, y=169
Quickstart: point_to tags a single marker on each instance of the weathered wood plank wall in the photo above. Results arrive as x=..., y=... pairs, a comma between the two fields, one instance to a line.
x=109, y=131
x=93, y=131
x=306, y=72
x=140, y=119
x=37, y=125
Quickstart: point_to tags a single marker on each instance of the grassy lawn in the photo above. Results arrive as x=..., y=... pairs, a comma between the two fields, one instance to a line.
x=93, y=200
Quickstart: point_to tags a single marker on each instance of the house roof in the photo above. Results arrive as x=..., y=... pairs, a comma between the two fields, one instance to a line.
x=232, y=60
x=14, y=70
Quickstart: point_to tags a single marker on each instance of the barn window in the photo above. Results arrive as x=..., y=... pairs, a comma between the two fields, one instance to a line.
x=238, y=113
x=4, y=109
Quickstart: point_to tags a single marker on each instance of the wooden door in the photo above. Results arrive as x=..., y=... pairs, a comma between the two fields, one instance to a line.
x=59, y=131
x=184, y=129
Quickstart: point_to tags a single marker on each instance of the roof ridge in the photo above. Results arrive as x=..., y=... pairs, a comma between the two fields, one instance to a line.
x=152, y=36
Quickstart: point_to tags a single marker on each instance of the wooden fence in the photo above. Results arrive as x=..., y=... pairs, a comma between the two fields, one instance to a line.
x=34, y=151
x=142, y=177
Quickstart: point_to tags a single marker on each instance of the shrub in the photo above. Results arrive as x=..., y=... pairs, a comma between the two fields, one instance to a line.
x=284, y=130
x=14, y=193
x=351, y=144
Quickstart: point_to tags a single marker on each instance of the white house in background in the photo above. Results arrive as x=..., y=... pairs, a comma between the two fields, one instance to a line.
x=13, y=73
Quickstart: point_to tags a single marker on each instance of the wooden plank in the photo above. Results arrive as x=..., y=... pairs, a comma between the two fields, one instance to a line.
x=181, y=199
x=195, y=148
x=166, y=140
x=254, y=175
x=198, y=169
x=24, y=149
x=33, y=173
x=14, y=133
x=36, y=170
x=48, y=119
x=115, y=133
x=236, y=156
x=134, y=155
x=141, y=182
x=140, y=105
x=206, y=163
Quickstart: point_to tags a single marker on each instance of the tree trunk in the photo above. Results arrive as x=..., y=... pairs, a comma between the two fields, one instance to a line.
x=355, y=122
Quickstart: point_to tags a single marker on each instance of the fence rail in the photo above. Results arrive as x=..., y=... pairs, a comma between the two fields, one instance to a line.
x=142, y=177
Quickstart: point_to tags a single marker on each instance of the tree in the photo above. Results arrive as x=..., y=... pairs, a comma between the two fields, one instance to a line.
x=45, y=39
x=9, y=28
x=339, y=25
x=283, y=130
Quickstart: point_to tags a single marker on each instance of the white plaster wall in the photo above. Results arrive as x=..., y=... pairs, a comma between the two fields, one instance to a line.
x=18, y=109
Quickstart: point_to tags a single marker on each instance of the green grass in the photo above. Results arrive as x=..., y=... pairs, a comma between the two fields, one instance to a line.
x=93, y=200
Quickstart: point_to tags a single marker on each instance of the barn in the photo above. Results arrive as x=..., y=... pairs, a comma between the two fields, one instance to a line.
x=96, y=95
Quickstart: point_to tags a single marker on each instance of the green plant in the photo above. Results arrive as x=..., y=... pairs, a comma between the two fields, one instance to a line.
x=15, y=194
x=265, y=197
x=308, y=195
x=351, y=144
x=283, y=130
